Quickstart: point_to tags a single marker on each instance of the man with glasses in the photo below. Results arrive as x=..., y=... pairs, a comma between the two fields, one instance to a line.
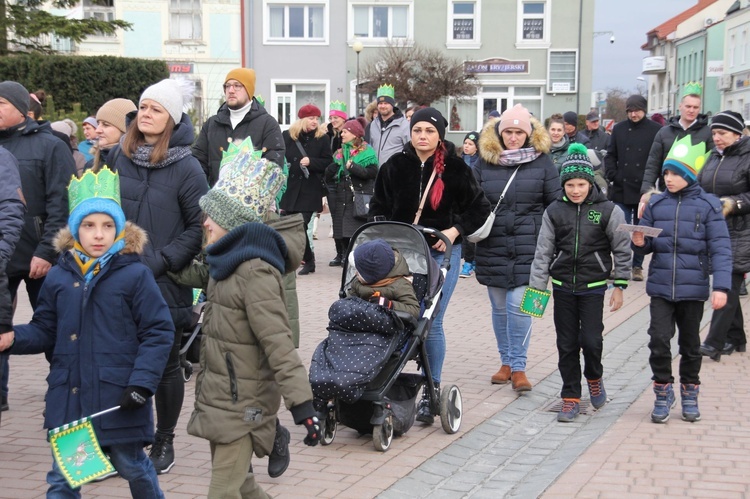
x=240, y=116
x=625, y=163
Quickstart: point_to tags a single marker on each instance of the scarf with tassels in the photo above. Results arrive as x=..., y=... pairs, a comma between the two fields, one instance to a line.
x=364, y=154
x=91, y=266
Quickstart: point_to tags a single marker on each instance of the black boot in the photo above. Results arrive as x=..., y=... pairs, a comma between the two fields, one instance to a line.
x=308, y=267
x=424, y=415
x=336, y=262
x=162, y=452
x=278, y=461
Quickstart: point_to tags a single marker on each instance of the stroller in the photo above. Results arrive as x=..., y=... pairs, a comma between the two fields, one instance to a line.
x=386, y=406
x=189, y=347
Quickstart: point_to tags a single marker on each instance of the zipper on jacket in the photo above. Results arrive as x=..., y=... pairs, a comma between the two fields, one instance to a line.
x=232, y=377
x=716, y=172
x=575, y=247
x=697, y=222
x=674, y=242
x=421, y=178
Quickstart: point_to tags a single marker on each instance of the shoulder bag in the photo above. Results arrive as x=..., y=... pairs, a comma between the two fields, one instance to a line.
x=482, y=232
x=424, y=198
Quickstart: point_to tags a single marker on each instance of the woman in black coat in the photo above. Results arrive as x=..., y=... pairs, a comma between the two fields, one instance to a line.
x=308, y=152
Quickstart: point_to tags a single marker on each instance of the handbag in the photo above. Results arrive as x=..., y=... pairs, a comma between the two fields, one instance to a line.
x=482, y=232
x=361, y=201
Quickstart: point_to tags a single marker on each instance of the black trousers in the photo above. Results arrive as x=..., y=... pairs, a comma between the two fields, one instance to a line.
x=727, y=323
x=579, y=326
x=171, y=390
x=468, y=250
x=687, y=316
x=307, y=216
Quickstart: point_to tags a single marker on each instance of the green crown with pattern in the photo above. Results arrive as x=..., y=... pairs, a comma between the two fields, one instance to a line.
x=387, y=91
x=260, y=100
x=337, y=105
x=687, y=155
x=104, y=184
x=234, y=149
x=693, y=88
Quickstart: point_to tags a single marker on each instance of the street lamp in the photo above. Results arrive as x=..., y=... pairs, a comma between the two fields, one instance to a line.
x=357, y=46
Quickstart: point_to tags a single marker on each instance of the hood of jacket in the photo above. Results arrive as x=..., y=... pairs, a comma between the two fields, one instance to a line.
x=135, y=240
x=490, y=146
x=292, y=230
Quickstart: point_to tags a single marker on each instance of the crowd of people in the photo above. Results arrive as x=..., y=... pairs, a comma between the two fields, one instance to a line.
x=111, y=234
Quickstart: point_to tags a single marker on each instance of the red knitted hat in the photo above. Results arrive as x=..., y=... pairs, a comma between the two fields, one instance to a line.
x=308, y=110
x=355, y=128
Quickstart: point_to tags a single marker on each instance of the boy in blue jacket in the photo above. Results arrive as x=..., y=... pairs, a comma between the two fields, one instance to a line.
x=694, y=233
x=115, y=333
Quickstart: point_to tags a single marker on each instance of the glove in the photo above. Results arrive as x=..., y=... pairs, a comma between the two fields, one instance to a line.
x=377, y=299
x=727, y=205
x=134, y=397
x=313, y=431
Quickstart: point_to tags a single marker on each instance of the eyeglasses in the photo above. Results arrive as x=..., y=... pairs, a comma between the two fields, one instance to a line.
x=236, y=86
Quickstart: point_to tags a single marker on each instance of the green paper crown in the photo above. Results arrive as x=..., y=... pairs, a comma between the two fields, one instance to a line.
x=338, y=106
x=387, y=91
x=105, y=184
x=260, y=100
x=688, y=155
x=233, y=149
x=693, y=88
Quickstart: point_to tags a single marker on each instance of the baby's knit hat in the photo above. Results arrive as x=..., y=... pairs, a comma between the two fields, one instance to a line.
x=577, y=164
x=169, y=94
x=114, y=112
x=374, y=260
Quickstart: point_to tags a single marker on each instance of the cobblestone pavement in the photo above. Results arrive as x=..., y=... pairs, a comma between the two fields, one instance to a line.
x=508, y=445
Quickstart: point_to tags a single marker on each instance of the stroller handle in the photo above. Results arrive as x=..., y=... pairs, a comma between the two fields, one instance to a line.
x=429, y=231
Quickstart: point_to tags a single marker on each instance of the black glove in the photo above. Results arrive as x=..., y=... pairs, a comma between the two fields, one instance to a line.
x=377, y=299
x=134, y=397
x=313, y=431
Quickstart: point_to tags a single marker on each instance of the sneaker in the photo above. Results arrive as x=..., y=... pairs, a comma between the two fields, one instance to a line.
x=162, y=452
x=597, y=393
x=569, y=410
x=637, y=274
x=107, y=475
x=279, y=459
x=689, y=396
x=466, y=270
x=424, y=415
x=664, y=402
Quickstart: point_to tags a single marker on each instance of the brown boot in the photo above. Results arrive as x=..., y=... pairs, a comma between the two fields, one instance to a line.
x=502, y=376
x=519, y=382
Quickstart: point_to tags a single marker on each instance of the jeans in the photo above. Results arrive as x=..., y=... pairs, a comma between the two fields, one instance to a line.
x=664, y=315
x=171, y=390
x=130, y=461
x=579, y=326
x=435, y=343
x=728, y=323
x=631, y=217
x=512, y=327
x=32, y=289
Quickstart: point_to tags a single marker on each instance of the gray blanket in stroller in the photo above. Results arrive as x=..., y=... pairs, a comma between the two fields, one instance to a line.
x=361, y=338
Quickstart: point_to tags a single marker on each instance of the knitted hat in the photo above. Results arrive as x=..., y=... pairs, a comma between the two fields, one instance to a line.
x=308, y=110
x=636, y=102
x=472, y=136
x=686, y=159
x=728, y=120
x=432, y=116
x=16, y=94
x=92, y=121
x=494, y=114
x=62, y=127
x=374, y=260
x=168, y=94
x=95, y=193
x=245, y=76
x=245, y=191
x=577, y=164
x=72, y=125
x=571, y=118
x=354, y=127
x=338, y=109
x=515, y=117
x=114, y=112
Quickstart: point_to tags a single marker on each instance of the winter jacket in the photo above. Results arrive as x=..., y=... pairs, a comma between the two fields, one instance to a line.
x=340, y=196
x=12, y=208
x=389, y=138
x=503, y=260
x=46, y=167
x=395, y=286
x=305, y=194
x=581, y=138
x=470, y=161
x=626, y=159
x=86, y=147
x=109, y=334
x=728, y=175
x=164, y=202
x=665, y=137
x=335, y=138
x=577, y=242
x=402, y=180
x=558, y=153
x=694, y=241
x=257, y=124
x=247, y=357
x=598, y=139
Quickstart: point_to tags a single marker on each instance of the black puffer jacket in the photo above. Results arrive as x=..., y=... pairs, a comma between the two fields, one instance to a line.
x=164, y=203
x=626, y=158
x=663, y=141
x=46, y=166
x=257, y=124
x=11, y=222
x=504, y=259
x=306, y=193
x=728, y=175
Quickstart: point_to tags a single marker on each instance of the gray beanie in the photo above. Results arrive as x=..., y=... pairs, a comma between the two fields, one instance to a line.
x=16, y=94
x=168, y=94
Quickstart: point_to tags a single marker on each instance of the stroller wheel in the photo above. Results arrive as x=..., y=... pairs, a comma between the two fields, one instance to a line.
x=187, y=370
x=451, y=409
x=328, y=427
x=382, y=434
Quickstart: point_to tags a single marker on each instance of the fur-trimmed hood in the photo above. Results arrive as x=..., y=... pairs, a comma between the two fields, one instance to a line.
x=135, y=239
x=490, y=146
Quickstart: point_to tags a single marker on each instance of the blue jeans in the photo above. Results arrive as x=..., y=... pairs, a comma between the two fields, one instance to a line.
x=130, y=461
x=435, y=343
x=512, y=327
x=631, y=217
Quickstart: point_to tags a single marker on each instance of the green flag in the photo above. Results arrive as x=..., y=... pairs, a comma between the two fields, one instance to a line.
x=534, y=302
x=77, y=451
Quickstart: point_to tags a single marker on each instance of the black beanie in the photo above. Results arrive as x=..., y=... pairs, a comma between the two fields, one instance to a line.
x=636, y=102
x=472, y=136
x=571, y=118
x=16, y=94
x=728, y=120
x=430, y=115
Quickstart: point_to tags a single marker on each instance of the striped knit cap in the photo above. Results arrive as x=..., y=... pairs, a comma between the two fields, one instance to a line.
x=577, y=164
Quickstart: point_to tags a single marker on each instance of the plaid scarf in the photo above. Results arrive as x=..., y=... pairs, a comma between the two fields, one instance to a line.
x=518, y=156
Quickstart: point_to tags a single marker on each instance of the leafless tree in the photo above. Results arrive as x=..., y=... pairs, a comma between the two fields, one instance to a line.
x=616, y=98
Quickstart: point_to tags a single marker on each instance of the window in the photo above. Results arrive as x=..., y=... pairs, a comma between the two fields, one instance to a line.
x=562, y=71
x=533, y=23
x=103, y=10
x=185, y=20
x=463, y=115
x=288, y=97
x=292, y=21
x=463, y=24
x=382, y=21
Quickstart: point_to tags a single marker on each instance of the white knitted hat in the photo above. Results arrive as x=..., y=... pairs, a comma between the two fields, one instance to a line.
x=169, y=94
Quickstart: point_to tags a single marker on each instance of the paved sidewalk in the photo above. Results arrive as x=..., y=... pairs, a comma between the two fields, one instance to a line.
x=508, y=445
